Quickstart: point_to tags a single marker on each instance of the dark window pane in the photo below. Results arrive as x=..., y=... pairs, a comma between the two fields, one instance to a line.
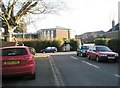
x=13, y=52
x=104, y=49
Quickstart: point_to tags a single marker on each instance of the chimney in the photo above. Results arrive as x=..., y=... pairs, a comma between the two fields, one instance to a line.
x=113, y=25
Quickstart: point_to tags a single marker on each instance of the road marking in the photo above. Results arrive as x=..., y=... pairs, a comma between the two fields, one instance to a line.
x=91, y=64
x=117, y=75
x=57, y=75
x=73, y=57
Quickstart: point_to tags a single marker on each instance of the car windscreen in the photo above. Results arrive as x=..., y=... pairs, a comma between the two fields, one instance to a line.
x=13, y=52
x=84, y=47
x=103, y=49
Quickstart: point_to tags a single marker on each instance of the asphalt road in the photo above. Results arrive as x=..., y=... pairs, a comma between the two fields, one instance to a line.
x=44, y=76
x=79, y=71
x=67, y=69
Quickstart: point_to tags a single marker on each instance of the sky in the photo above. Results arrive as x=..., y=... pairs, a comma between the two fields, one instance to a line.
x=81, y=16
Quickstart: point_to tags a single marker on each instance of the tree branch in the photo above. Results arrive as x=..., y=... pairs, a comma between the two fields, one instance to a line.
x=28, y=8
x=3, y=9
x=23, y=8
x=12, y=7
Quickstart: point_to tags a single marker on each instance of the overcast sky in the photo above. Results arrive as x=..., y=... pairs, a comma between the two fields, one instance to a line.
x=82, y=16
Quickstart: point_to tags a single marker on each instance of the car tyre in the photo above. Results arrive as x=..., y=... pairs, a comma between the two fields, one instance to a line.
x=54, y=51
x=88, y=57
x=97, y=59
x=77, y=54
x=44, y=52
x=81, y=54
x=33, y=76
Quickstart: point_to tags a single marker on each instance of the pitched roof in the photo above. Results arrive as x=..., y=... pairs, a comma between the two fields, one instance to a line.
x=116, y=28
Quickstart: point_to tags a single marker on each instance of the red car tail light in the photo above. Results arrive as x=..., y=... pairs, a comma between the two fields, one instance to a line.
x=30, y=60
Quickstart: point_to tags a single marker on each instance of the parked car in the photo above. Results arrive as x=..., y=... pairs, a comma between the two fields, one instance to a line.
x=17, y=61
x=49, y=49
x=101, y=53
x=81, y=51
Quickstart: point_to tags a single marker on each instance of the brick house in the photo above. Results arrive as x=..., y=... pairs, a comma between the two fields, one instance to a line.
x=54, y=33
x=113, y=33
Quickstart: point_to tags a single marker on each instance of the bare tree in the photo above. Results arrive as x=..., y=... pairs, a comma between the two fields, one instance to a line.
x=12, y=11
x=21, y=27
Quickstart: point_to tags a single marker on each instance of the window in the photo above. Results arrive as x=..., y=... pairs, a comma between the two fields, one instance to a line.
x=104, y=49
x=48, y=34
x=84, y=47
x=44, y=34
x=52, y=33
x=13, y=52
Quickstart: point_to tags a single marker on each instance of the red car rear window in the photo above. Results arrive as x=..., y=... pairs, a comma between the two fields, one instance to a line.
x=13, y=52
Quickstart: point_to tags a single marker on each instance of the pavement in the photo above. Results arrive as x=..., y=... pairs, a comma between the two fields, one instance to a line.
x=42, y=55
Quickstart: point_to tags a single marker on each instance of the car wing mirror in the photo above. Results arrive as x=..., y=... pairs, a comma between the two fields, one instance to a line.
x=33, y=52
x=95, y=50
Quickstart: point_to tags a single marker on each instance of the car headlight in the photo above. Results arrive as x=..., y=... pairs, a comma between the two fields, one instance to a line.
x=116, y=55
x=103, y=55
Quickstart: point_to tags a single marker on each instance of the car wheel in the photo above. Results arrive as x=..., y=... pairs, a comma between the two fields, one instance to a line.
x=88, y=56
x=97, y=59
x=33, y=76
x=81, y=54
x=44, y=52
x=77, y=54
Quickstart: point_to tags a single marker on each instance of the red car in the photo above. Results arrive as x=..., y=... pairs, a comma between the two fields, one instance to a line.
x=17, y=60
x=101, y=53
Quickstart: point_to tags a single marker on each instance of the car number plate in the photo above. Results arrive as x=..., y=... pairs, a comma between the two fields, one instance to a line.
x=11, y=62
x=111, y=57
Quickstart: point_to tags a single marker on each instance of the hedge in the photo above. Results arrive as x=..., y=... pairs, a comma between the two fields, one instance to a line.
x=74, y=43
x=41, y=44
x=102, y=41
x=114, y=44
x=6, y=44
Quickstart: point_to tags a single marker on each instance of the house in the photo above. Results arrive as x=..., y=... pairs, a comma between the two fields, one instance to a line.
x=54, y=33
x=25, y=36
x=114, y=32
x=89, y=37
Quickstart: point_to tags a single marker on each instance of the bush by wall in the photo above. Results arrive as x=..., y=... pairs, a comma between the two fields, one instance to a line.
x=101, y=41
x=74, y=43
x=5, y=44
x=114, y=44
x=41, y=44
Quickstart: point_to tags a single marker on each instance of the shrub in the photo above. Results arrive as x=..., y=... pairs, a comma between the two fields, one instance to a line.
x=101, y=41
x=114, y=44
x=5, y=44
x=74, y=43
x=57, y=44
x=41, y=44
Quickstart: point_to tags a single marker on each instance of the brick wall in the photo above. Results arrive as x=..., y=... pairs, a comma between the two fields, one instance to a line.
x=62, y=34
